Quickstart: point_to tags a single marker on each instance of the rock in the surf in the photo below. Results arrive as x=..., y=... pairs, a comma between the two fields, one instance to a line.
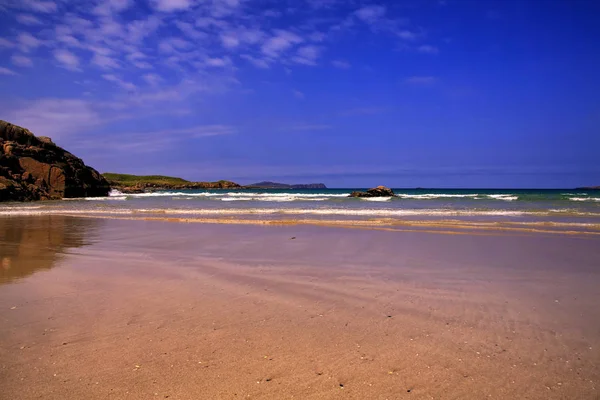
x=379, y=191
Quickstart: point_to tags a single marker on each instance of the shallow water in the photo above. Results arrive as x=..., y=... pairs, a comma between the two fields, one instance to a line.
x=569, y=209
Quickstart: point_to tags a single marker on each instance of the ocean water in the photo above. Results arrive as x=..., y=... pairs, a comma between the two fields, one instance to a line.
x=514, y=205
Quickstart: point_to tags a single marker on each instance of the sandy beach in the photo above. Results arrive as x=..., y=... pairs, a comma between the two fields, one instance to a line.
x=101, y=308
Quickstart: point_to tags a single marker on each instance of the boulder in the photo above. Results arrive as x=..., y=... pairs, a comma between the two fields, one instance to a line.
x=34, y=168
x=379, y=191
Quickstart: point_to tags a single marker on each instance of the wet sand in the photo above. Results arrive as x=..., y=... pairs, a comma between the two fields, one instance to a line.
x=99, y=308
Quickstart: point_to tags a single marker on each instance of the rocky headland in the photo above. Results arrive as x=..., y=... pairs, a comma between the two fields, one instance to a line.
x=34, y=168
x=126, y=183
x=379, y=191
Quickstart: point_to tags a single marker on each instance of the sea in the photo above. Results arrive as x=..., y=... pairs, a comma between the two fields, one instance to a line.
x=566, y=208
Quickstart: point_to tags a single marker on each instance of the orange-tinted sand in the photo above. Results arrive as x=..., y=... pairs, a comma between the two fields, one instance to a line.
x=108, y=309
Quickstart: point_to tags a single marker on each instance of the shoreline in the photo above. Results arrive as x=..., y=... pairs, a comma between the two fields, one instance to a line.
x=439, y=226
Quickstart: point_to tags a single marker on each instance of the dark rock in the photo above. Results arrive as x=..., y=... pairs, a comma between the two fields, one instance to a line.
x=379, y=191
x=34, y=168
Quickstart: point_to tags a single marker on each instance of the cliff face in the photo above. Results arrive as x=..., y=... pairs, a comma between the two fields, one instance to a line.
x=34, y=168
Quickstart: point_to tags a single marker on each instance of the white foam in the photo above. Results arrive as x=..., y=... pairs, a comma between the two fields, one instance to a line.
x=116, y=193
x=505, y=197
x=239, y=194
x=584, y=198
x=429, y=196
x=109, y=198
x=376, y=198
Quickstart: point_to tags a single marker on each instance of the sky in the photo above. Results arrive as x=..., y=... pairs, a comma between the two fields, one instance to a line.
x=351, y=93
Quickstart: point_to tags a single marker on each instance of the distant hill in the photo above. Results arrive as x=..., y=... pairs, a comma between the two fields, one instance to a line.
x=588, y=188
x=275, y=185
x=143, y=183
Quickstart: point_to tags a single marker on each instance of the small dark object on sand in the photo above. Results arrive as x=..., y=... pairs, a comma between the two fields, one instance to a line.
x=293, y=237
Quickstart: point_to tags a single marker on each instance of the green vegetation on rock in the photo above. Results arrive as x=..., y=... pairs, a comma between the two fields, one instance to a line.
x=132, y=180
x=143, y=183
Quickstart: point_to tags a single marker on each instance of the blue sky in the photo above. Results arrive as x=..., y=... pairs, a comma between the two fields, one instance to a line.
x=431, y=93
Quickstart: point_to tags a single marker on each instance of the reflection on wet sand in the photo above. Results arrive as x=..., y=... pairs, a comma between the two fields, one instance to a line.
x=28, y=245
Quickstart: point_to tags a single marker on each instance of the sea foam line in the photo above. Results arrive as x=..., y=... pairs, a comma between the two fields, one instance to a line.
x=292, y=211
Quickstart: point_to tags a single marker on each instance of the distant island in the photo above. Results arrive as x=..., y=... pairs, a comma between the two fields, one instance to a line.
x=275, y=185
x=147, y=183
x=588, y=188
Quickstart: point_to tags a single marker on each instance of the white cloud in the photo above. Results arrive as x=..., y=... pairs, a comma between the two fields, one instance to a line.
x=152, y=79
x=140, y=29
x=55, y=117
x=104, y=61
x=280, y=42
x=173, y=44
x=307, y=55
x=28, y=19
x=189, y=30
x=217, y=62
x=370, y=14
x=67, y=59
x=21, y=61
x=319, y=4
x=340, y=64
x=230, y=40
x=108, y=7
x=298, y=94
x=42, y=6
x=123, y=84
x=257, y=62
x=156, y=141
x=172, y=5
x=6, y=43
x=6, y=71
x=407, y=35
x=28, y=42
x=428, y=49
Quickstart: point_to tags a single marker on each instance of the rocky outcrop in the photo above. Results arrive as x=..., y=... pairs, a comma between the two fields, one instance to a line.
x=34, y=168
x=127, y=183
x=152, y=187
x=379, y=191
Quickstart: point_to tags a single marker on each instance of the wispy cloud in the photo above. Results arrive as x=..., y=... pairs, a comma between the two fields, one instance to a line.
x=157, y=140
x=281, y=41
x=307, y=55
x=171, y=5
x=6, y=71
x=41, y=6
x=21, y=61
x=371, y=13
x=120, y=82
x=298, y=94
x=428, y=49
x=67, y=59
x=341, y=64
x=28, y=19
x=54, y=117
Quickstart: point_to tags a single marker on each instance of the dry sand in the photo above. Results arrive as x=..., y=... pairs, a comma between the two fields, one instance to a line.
x=149, y=310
